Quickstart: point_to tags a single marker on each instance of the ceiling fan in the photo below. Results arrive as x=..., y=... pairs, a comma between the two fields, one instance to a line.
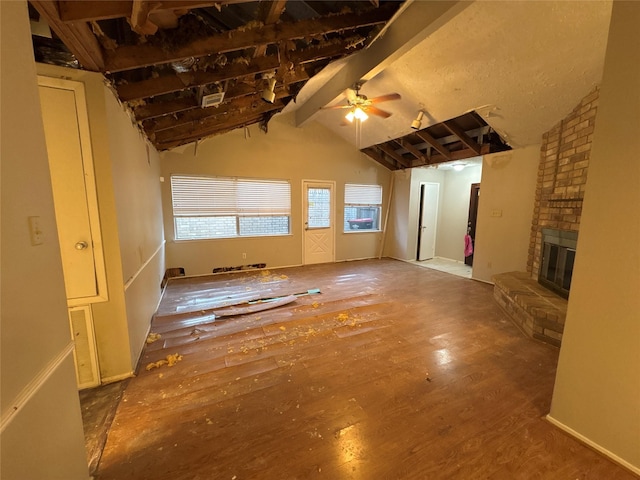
x=360, y=107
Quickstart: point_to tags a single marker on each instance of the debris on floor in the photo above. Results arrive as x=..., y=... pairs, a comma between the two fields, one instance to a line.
x=171, y=360
x=153, y=337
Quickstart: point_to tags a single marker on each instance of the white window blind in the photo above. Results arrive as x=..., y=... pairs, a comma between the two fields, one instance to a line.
x=218, y=196
x=362, y=194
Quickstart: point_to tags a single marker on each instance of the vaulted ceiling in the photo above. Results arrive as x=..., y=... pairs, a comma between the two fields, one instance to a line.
x=486, y=75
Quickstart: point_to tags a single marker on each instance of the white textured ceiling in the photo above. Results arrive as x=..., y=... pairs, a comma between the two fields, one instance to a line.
x=523, y=65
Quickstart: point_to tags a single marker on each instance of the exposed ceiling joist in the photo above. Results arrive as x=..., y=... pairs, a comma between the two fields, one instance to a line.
x=136, y=56
x=437, y=138
x=444, y=151
x=78, y=37
x=77, y=11
x=466, y=139
x=272, y=13
x=202, y=128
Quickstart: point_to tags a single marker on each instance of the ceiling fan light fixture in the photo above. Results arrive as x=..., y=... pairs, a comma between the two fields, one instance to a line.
x=356, y=113
x=417, y=123
x=268, y=94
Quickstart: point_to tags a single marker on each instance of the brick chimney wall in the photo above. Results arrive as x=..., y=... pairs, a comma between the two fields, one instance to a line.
x=562, y=175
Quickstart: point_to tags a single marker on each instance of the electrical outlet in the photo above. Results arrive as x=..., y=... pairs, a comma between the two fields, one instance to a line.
x=244, y=256
x=35, y=231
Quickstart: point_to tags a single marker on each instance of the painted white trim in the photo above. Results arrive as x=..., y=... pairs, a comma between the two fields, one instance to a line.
x=593, y=445
x=33, y=386
x=144, y=265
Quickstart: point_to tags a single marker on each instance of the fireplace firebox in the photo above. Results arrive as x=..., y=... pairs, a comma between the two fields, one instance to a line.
x=558, y=256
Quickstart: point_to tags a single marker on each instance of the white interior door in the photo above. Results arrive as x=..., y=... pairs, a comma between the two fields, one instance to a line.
x=66, y=128
x=319, y=230
x=429, y=193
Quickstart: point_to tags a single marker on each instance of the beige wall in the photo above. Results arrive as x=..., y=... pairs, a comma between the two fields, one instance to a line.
x=402, y=237
x=41, y=427
x=310, y=152
x=508, y=187
x=597, y=390
x=136, y=189
x=454, y=215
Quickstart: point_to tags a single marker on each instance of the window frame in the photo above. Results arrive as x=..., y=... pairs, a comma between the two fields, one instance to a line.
x=218, y=197
x=360, y=196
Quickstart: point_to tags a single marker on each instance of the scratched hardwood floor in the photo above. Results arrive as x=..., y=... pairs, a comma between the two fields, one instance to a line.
x=392, y=372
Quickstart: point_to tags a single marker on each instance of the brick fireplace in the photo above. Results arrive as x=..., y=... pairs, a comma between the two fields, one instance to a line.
x=562, y=175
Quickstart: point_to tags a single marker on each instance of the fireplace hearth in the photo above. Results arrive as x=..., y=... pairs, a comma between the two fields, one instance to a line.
x=558, y=256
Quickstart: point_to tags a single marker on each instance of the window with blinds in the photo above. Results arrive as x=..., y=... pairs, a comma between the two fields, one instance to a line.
x=362, y=207
x=220, y=207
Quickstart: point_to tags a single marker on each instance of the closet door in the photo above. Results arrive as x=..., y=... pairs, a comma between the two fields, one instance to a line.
x=66, y=128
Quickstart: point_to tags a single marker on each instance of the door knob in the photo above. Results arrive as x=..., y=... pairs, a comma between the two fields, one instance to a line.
x=81, y=245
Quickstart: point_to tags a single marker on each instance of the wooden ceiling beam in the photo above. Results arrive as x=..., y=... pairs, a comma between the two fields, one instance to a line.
x=393, y=154
x=424, y=135
x=209, y=126
x=404, y=143
x=272, y=13
x=375, y=155
x=464, y=138
x=224, y=128
x=182, y=81
x=136, y=56
x=77, y=11
x=199, y=114
x=154, y=110
x=78, y=37
x=173, y=83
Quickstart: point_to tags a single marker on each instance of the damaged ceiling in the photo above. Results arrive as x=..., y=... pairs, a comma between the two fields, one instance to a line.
x=191, y=69
x=486, y=75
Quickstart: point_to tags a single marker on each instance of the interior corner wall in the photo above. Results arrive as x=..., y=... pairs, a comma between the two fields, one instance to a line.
x=136, y=188
x=402, y=236
x=507, y=197
x=40, y=426
x=310, y=152
x=454, y=213
x=597, y=389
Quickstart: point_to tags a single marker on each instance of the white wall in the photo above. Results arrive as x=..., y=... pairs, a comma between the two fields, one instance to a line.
x=311, y=152
x=452, y=223
x=597, y=389
x=508, y=189
x=41, y=426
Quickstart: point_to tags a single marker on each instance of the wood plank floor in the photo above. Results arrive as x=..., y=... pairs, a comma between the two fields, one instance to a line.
x=392, y=372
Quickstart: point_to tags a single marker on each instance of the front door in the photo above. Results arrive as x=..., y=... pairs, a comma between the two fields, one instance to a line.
x=318, y=222
x=429, y=193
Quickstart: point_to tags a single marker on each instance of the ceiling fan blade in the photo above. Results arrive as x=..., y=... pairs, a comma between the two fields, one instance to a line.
x=376, y=111
x=385, y=98
x=335, y=107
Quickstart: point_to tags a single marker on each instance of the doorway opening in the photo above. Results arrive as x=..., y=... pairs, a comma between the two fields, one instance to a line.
x=472, y=221
x=428, y=220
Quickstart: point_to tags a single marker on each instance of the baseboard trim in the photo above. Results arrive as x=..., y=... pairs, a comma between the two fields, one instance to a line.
x=612, y=456
x=33, y=386
x=117, y=378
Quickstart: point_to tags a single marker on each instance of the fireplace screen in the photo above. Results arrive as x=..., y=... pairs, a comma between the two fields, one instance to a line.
x=558, y=256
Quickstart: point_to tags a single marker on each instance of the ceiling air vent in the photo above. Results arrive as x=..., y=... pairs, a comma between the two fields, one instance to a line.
x=212, y=100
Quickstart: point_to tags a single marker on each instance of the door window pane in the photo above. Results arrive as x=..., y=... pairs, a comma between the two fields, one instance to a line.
x=318, y=207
